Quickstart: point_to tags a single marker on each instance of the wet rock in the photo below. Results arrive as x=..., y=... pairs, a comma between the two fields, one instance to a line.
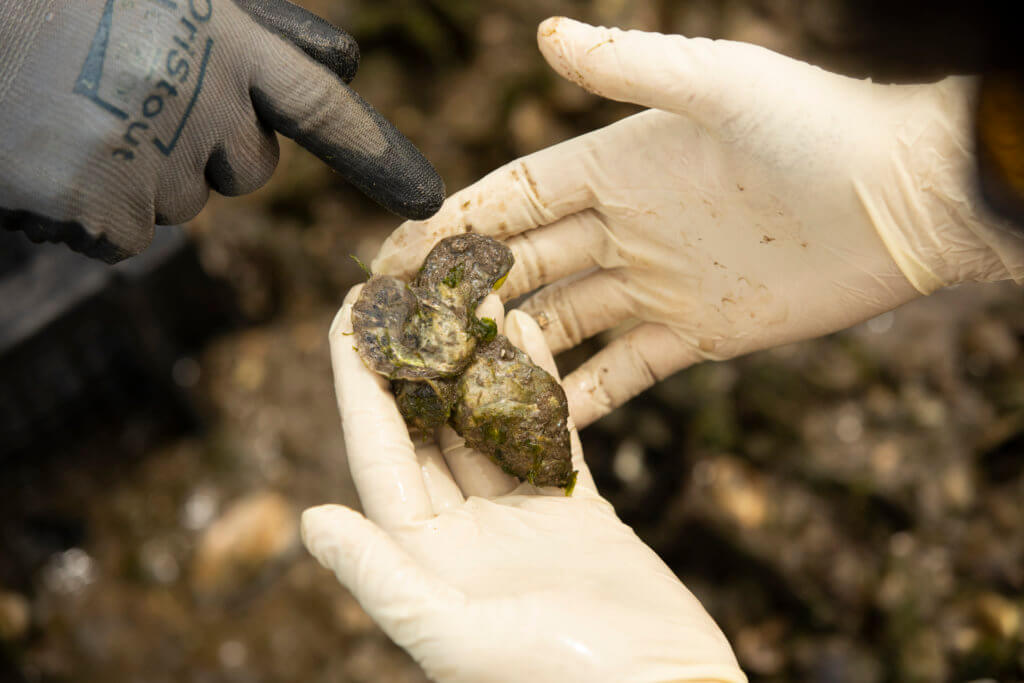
x=827, y=21
x=958, y=486
x=352, y=618
x=159, y=561
x=251, y=535
x=534, y=127
x=629, y=466
x=991, y=343
x=372, y=660
x=923, y=659
x=15, y=616
x=1000, y=616
x=200, y=508
x=738, y=492
x=835, y=660
x=70, y=572
x=232, y=654
x=759, y=648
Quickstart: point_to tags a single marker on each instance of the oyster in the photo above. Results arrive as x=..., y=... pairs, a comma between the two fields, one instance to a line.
x=407, y=332
x=428, y=329
x=515, y=412
x=425, y=405
x=447, y=366
x=463, y=269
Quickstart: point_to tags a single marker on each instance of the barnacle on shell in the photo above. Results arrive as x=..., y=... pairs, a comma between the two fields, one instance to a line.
x=447, y=366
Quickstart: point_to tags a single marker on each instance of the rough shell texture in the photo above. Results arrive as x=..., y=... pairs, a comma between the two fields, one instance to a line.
x=464, y=269
x=409, y=333
x=516, y=413
x=425, y=405
x=427, y=330
x=449, y=367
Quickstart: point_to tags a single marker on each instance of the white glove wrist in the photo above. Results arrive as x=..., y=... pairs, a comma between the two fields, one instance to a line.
x=926, y=206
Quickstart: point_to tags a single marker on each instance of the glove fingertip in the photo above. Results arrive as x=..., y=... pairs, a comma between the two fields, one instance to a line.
x=402, y=181
x=315, y=516
x=428, y=199
x=587, y=402
x=649, y=69
x=343, y=56
x=553, y=25
x=525, y=333
x=556, y=38
x=321, y=526
x=333, y=122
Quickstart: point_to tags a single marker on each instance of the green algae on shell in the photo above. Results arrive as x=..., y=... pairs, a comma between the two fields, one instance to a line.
x=425, y=405
x=448, y=366
x=463, y=269
x=516, y=413
x=428, y=329
x=407, y=332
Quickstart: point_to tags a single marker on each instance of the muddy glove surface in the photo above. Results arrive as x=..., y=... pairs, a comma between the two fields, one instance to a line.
x=116, y=114
x=761, y=201
x=482, y=579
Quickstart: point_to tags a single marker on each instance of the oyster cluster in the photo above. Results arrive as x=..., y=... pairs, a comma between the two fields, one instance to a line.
x=449, y=367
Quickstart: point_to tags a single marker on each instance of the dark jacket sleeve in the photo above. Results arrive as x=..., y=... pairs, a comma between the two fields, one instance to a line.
x=1000, y=142
x=916, y=41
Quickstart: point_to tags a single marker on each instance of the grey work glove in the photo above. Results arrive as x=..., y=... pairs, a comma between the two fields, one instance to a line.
x=115, y=114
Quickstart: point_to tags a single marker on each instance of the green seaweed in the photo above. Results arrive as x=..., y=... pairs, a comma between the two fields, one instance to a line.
x=571, y=486
x=484, y=329
x=425, y=405
x=454, y=277
x=362, y=266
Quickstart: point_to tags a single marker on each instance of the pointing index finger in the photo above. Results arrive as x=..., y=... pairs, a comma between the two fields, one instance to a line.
x=304, y=100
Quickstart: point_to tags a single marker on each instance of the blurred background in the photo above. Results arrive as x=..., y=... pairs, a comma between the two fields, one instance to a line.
x=848, y=509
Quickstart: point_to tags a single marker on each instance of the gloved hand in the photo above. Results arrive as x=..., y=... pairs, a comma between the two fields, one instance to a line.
x=763, y=201
x=483, y=580
x=116, y=115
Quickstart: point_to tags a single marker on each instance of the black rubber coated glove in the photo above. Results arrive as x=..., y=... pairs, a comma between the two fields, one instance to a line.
x=118, y=114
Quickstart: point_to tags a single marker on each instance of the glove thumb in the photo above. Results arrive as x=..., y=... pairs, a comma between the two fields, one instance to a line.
x=386, y=581
x=711, y=81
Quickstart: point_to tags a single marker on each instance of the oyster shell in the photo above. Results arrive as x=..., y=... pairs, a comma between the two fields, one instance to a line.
x=449, y=367
x=408, y=332
x=516, y=413
x=463, y=269
x=425, y=405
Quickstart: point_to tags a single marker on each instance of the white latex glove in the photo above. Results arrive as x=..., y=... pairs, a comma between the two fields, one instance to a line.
x=483, y=580
x=763, y=202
